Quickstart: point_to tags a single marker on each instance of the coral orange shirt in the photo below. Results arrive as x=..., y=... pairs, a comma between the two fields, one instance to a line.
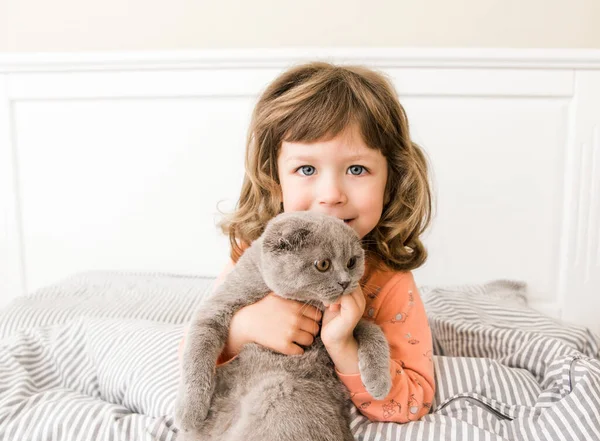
x=393, y=302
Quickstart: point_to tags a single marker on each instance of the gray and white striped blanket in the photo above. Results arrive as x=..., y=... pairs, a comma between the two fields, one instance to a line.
x=94, y=357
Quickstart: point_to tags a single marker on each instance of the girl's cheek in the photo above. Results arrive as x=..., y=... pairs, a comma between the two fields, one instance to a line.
x=376, y=187
x=368, y=187
x=294, y=199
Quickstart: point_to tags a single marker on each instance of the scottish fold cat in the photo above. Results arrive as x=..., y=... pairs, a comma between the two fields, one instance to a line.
x=264, y=395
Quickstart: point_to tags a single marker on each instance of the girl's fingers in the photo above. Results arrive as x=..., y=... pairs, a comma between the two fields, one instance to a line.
x=359, y=298
x=335, y=307
x=348, y=301
x=354, y=303
x=304, y=338
x=308, y=311
x=308, y=325
x=312, y=313
x=292, y=349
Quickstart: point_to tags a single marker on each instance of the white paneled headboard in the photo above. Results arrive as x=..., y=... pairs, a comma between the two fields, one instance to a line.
x=118, y=161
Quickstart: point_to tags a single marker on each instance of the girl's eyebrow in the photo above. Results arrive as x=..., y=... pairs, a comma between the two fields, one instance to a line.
x=299, y=158
x=359, y=157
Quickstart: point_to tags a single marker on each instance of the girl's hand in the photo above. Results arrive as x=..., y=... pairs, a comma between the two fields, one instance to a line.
x=340, y=319
x=276, y=323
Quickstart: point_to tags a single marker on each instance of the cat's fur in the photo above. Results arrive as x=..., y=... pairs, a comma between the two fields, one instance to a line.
x=264, y=395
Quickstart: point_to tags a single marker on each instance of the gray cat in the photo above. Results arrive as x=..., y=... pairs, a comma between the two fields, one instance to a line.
x=264, y=395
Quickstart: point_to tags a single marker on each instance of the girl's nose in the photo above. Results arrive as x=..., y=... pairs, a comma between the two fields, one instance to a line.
x=331, y=193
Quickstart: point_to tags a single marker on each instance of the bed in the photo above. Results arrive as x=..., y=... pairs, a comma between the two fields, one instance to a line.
x=94, y=356
x=113, y=169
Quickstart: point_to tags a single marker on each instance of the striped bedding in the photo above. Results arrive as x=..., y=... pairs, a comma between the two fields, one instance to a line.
x=94, y=357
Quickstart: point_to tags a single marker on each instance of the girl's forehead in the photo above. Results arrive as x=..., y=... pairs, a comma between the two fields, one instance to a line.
x=349, y=144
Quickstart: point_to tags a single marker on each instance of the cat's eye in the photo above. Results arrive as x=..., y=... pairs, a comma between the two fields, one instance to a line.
x=323, y=265
x=351, y=263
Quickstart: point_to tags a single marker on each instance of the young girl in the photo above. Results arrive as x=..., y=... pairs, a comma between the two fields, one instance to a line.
x=335, y=140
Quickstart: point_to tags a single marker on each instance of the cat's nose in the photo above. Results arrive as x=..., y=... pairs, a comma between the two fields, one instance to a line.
x=344, y=285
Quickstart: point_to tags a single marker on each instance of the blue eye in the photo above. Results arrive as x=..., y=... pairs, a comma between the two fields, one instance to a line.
x=356, y=170
x=307, y=170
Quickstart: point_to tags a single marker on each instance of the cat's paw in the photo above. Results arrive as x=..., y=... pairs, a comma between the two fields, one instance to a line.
x=380, y=388
x=190, y=413
x=378, y=382
x=194, y=396
x=188, y=435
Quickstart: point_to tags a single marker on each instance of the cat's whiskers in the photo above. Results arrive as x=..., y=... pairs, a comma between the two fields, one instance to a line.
x=314, y=303
x=306, y=304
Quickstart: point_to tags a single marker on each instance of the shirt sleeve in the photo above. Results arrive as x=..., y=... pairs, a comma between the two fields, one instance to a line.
x=400, y=313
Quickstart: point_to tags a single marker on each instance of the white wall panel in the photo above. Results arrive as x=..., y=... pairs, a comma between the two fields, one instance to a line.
x=119, y=163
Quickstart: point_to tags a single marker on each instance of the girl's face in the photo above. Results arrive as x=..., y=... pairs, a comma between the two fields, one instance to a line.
x=341, y=177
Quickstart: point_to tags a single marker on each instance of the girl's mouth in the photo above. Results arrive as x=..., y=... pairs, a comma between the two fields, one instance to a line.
x=347, y=221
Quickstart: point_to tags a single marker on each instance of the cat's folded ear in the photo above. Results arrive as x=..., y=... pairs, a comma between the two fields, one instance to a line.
x=291, y=240
x=289, y=232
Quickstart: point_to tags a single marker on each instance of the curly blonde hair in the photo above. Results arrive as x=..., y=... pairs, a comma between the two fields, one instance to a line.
x=317, y=101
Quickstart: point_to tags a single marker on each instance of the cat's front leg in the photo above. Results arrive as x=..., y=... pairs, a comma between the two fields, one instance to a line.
x=204, y=343
x=206, y=338
x=373, y=359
